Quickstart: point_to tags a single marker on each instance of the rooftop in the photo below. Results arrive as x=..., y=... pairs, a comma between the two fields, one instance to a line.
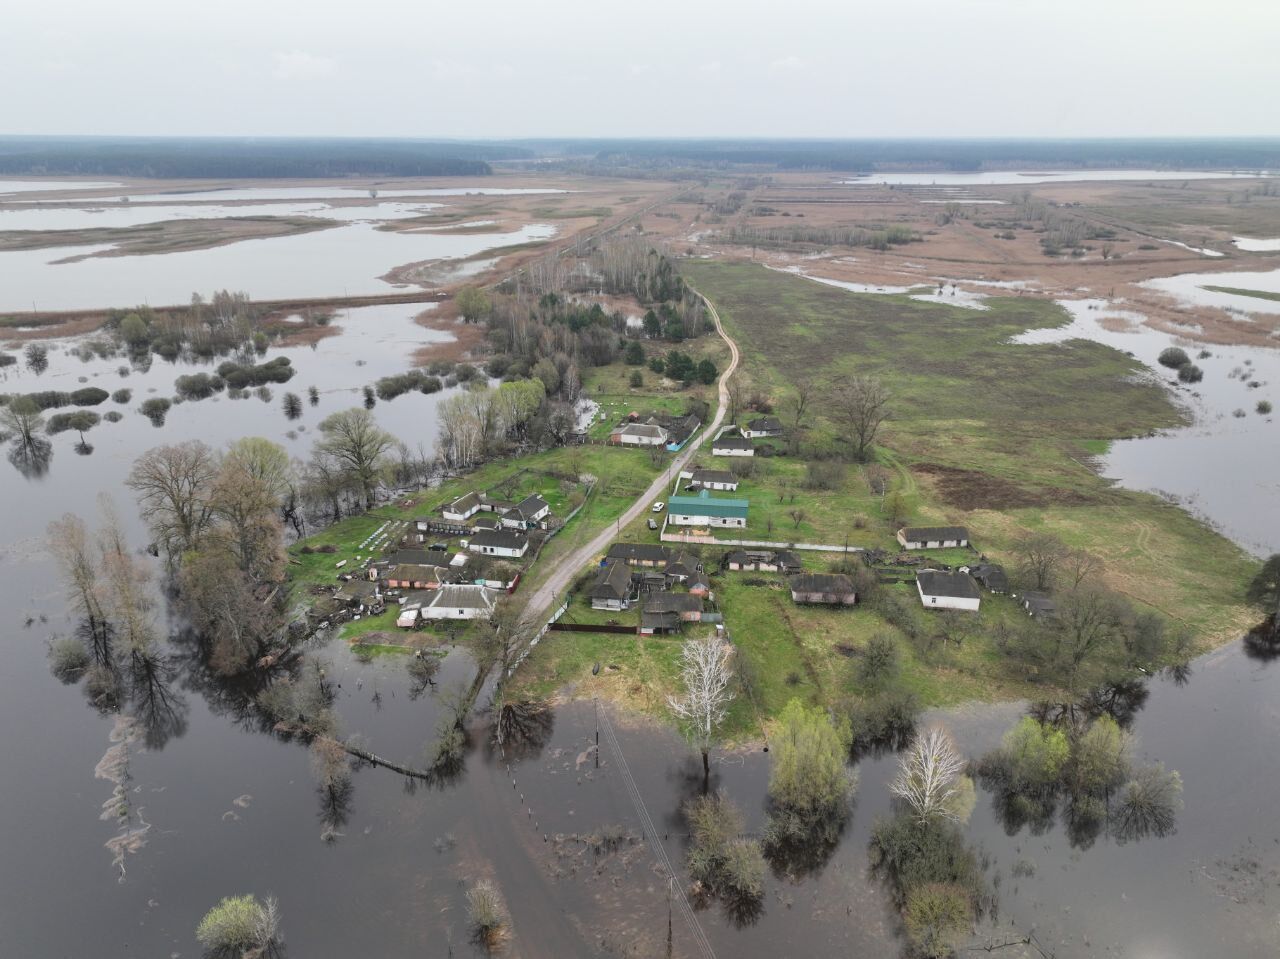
x=935, y=582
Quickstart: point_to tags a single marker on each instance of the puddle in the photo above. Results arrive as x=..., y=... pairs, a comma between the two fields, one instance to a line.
x=1190, y=290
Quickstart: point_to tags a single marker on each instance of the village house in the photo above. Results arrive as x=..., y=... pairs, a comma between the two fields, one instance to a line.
x=990, y=575
x=459, y=602
x=933, y=537
x=639, y=434
x=613, y=588
x=665, y=612
x=499, y=542
x=732, y=444
x=764, y=561
x=527, y=513
x=358, y=593
x=460, y=510
x=1039, y=605
x=682, y=566
x=714, y=479
x=416, y=576
x=829, y=589
x=638, y=554
x=763, y=426
x=947, y=590
x=707, y=510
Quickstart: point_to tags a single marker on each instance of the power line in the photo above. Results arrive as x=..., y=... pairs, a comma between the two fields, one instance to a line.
x=651, y=836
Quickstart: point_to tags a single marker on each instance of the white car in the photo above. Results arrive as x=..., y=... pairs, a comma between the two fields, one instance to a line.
x=659, y=506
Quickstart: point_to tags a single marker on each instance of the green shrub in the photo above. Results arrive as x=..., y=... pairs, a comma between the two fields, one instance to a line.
x=155, y=409
x=198, y=386
x=89, y=396
x=122, y=396
x=240, y=923
x=68, y=659
x=486, y=912
x=1190, y=373
x=936, y=916
x=1174, y=358
x=1264, y=407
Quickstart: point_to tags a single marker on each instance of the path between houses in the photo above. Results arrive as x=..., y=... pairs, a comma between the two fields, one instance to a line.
x=543, y=599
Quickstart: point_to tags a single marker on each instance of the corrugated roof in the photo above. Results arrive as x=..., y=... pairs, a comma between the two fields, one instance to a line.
x=705, y=504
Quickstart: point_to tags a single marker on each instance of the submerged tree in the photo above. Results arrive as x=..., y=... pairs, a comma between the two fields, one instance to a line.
x=706, y=674
x=173, y=483
x=809, y=786
x=354, y=440
x=241, y=924
x=726, y=864
x=486, y=913
x=1264, y=591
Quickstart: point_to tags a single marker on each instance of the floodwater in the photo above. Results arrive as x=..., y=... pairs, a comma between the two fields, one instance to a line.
x=1223, y=466
x=1251, y=244
x=328, y=193
x=1008, y=177
x=38, y=186
x=346, y=260
x=114, y=216
x=1190, y=289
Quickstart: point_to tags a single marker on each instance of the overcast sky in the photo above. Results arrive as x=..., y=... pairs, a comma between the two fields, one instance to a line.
x=498, y=68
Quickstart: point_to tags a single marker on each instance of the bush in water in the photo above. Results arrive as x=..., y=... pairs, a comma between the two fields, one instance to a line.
x=1174, y=358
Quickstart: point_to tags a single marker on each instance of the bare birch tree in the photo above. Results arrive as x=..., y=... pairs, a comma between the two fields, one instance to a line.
x=706, y=673
x=930, y=776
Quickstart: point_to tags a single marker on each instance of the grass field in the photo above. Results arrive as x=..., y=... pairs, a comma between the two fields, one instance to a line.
x=1240, y=291
x=990, y=435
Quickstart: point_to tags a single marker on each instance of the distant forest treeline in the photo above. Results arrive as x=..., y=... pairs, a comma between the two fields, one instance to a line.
x=272, y=157
x=233, y=158
x=926, y=155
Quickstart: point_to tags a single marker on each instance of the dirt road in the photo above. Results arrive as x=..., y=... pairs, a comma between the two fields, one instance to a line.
x=543, y=599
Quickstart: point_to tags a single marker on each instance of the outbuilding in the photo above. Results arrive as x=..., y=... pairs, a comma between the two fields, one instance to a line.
x=638, y=554
x=947, y=590
x=933, y=537
x=827, y=589
x=461, y=509
x=714, y=479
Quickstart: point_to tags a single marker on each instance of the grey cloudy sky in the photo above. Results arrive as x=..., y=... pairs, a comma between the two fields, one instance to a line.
x=663, y=67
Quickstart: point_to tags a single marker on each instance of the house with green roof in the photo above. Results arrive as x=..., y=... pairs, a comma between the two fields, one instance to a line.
x=707, y=510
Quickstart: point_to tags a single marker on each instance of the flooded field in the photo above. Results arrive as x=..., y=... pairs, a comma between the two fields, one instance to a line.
x=348, y=260
x=1192, y=289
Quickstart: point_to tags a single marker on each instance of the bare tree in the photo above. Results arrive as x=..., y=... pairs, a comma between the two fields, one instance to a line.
x=1039, y=555
x=861, y=406
x=929, y=776
x=21, y=417
x=705, y=672
x=354, y=440
x=173, y=485
x=1079, y=565
x=71, y=547
x=797, y=517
